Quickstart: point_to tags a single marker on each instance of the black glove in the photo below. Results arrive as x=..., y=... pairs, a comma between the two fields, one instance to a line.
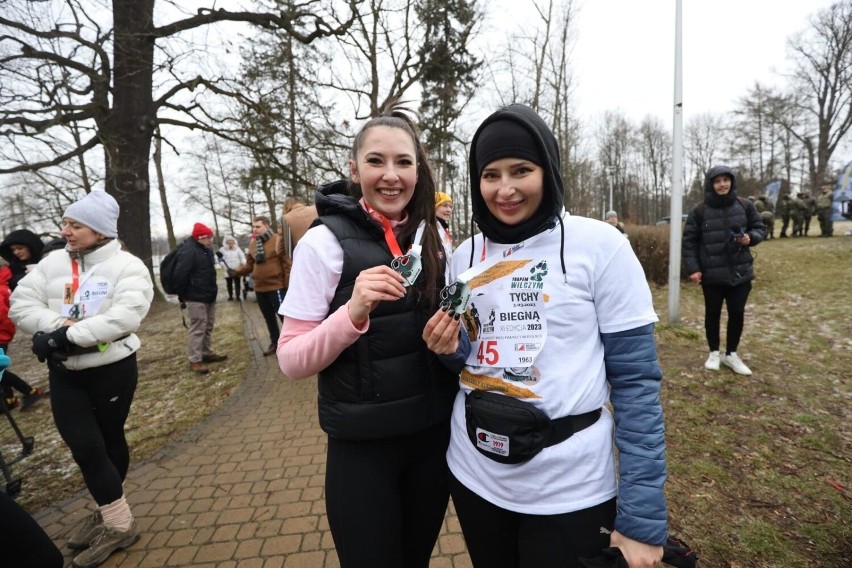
x=45, y=345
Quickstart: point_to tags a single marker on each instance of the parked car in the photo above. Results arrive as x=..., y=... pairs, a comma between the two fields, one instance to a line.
x=665, y=220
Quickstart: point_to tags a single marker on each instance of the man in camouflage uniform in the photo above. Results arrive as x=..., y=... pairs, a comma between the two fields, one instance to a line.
x=810, y=210
x=782, y=209
x=823, y=205
x=797, y=214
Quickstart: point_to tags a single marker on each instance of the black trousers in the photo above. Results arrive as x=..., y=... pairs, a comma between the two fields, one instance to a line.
x=90, y=408
x=735, y=298
x=12, y=381
x=22, y=541
x=498, y=538
x=233, y=283
x=386, y=499
x=269, y=302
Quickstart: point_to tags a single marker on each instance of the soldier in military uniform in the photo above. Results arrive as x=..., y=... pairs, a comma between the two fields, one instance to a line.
x=767, y=215
x=797, y=214
x=823, y=204
x=810, y=210
x=782, y=209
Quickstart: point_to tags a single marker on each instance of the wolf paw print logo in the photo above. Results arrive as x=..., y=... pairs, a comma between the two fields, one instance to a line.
x=408, y=266
x=403, y=265
x=539, y=271
x=455, y=298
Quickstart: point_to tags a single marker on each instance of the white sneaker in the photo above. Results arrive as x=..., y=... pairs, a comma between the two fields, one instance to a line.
x=712, y=362
x=731, y=360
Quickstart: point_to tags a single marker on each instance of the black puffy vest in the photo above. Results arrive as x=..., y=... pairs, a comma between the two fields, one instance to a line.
x=387, y=383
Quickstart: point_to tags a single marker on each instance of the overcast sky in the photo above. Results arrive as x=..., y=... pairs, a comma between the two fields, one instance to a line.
x=624, y=53
x=623, y=57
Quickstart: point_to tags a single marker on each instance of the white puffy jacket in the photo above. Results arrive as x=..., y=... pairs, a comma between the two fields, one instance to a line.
x=37, y=302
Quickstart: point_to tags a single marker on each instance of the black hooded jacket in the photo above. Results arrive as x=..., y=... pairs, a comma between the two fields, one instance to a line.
x=708, y=246
x=31, y=241
x=387, y=383
x=195, y=273
x=552, y=200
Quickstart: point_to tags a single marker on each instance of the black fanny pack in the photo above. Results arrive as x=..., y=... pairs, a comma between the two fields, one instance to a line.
x=509, y=430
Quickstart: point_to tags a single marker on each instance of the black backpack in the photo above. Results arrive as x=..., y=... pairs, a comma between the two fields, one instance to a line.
x=167, y=272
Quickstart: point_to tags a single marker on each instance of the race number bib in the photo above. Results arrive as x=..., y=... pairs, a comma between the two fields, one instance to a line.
x=506, y=320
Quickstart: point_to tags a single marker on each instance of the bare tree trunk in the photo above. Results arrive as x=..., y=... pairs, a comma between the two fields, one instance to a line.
x=129, y=126
x=161, y=185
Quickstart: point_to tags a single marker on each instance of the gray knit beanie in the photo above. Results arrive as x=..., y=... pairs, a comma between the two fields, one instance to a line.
x=98, y=211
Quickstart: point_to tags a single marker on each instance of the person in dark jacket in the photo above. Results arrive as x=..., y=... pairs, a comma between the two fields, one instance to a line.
x=385, y=355
x=717, y=241
x=195, y=281
x=22, y=249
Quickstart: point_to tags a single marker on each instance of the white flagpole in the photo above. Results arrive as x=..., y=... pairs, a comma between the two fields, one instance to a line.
x=675, y=228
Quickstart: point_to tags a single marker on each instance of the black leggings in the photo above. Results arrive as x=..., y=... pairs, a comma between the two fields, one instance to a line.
x=233, y=283
x=735, y=298
x=89, y=409
x=498, y=538
x=12, y=381
x=269, y=302
x=386, y=499
x=22, y=541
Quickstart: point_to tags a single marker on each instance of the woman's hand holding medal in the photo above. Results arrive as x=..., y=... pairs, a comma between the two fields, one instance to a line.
x=374, y=285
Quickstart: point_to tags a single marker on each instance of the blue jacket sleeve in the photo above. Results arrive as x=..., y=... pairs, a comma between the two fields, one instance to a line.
x=634, y=375
x=455, y=361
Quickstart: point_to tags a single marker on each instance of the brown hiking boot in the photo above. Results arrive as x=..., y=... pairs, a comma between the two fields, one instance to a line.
x=85, y=531
x=107, y=541
x=213, y=358
x=199, y=368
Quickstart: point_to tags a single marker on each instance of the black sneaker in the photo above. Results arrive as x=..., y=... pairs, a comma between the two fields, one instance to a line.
x=32, y=398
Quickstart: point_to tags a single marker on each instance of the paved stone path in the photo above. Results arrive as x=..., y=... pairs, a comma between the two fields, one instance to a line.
x=245, y=489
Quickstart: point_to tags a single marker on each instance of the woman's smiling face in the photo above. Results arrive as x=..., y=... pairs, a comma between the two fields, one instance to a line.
x=512, y=189
x=386, y=169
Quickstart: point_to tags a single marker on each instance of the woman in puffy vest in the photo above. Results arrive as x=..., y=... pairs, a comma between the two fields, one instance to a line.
x=385, y=355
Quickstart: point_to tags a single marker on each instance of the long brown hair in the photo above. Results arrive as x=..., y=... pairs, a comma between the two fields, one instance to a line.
x=421, y=207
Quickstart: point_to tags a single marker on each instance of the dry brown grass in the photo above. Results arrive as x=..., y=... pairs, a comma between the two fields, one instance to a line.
x=756, y=464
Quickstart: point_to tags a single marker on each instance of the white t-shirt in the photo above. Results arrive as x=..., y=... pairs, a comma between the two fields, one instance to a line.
x=606, y=292
x=314, y=276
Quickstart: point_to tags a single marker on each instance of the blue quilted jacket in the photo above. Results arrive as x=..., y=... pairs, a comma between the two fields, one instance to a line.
x=634, y=375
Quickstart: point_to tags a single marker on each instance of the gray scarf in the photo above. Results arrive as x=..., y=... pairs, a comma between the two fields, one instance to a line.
x=259, y=253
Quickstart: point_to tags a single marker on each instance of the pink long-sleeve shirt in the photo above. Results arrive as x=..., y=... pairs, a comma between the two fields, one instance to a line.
x=307, y=347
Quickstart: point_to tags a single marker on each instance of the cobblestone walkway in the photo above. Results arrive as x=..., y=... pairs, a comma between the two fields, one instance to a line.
x=244, y=490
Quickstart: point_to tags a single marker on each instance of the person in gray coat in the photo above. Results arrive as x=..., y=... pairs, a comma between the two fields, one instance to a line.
x=717, y=241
